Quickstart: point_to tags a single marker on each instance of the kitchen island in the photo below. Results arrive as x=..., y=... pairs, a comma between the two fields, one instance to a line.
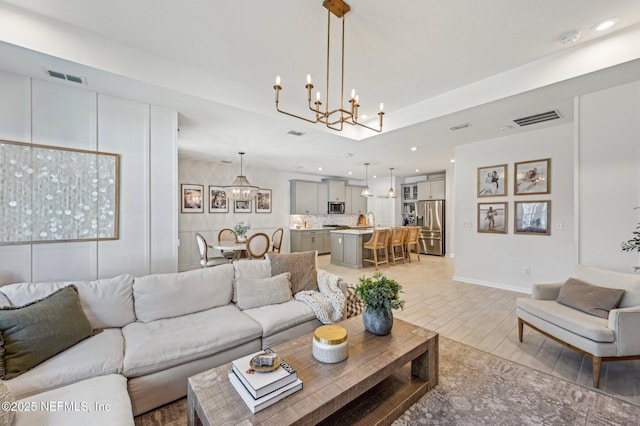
x=346, y=246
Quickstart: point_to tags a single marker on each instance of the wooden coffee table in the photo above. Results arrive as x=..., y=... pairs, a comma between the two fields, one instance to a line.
x=381, y=378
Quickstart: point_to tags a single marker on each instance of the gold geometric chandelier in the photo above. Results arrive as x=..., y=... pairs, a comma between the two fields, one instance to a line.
x=332, y=118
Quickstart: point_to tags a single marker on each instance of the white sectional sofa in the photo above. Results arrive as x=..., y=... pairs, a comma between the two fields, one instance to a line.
x=157, y=330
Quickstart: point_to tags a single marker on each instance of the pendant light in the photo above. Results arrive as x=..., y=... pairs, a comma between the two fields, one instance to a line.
x=241, y=189
x=391, y=193
x=366, y=192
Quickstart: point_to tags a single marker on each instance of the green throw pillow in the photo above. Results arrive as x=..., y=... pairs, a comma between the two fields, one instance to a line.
x=35, y=332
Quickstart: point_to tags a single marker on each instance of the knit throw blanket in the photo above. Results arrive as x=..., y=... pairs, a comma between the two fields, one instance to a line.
x=329, y=303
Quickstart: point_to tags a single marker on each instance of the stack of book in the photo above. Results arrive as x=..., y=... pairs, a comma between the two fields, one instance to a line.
x=260, y=390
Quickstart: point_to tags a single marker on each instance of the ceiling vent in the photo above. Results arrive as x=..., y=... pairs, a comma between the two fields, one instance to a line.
x=460, y=126
x=68, y=77
x=294, y=133
x=537, y=118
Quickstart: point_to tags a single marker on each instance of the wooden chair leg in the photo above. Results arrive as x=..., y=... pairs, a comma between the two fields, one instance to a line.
x=520, y=327
x=597, y=366
x=375, y=258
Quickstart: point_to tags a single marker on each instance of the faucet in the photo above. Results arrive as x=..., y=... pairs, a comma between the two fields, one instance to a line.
x=371, y=219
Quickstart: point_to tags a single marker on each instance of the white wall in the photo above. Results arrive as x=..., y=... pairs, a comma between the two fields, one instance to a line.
x=609, y=175
x=500, y=259
x=43, y=112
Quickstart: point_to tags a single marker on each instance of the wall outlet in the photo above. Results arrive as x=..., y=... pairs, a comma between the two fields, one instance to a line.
x=526, y=270
x=467, y=224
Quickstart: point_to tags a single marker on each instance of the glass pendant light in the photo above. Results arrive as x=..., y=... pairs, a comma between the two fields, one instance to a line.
x=391, y=193
x=241, y=189
x=366, y=192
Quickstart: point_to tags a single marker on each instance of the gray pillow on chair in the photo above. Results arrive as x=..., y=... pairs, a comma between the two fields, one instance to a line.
x=589, y=298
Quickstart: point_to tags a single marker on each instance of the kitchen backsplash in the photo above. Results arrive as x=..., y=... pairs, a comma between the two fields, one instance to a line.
x=317, y=221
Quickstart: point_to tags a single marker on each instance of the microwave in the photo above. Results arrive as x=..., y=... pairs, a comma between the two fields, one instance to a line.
x=336, y=207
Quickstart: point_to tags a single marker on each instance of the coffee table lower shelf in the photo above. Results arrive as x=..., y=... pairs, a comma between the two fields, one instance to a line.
x=382, y=377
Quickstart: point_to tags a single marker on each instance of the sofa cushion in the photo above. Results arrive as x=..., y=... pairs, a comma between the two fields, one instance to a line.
x=106, y=302
x=589, y=298
x=172, y=295
x=573, y=320
x=97, y=401
x=302, y=265
x=275, y=318
x=246, y=268
x=158, y=345
x=35, y=332
x=630, y=283
x=98, y=355
x=6, y=395
x=255, y=292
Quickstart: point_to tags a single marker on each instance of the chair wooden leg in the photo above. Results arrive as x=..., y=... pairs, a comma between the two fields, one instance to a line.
x=520, y=327
x=597, y=365
x=375, y=258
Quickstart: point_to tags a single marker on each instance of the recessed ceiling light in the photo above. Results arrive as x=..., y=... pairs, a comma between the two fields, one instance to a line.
x=364, y=116
x=453, y=160
x=606, y=24
x=320, y=169
x=374, y=176
x=417, y=170
x=350, y=173
x=346, y=155
x=414, y=148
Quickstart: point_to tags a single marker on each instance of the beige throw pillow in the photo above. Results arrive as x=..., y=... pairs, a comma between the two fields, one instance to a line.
x=304, y=275
x=256, y=292
x=594, y=300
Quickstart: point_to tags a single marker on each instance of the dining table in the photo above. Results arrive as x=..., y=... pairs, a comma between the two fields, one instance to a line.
x=238, y=248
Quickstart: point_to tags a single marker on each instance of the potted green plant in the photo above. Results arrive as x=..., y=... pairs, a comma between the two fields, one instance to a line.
x=380, y=295
x=633, y=244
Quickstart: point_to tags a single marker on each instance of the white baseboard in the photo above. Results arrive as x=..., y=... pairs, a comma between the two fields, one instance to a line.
x=492, y=284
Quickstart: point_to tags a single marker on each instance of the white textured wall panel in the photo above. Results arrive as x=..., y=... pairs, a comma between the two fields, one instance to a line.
x=163, y=181
x=63, y=116
x=15, y=264
x=15, y=108
x=64, y=261
x=124, y=130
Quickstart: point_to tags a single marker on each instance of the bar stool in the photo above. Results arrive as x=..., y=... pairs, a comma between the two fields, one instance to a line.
x=379, y=241
x=397, y=241
x=413, y=240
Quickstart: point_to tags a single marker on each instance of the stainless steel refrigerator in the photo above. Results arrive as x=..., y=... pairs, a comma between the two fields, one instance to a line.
x=430, y=217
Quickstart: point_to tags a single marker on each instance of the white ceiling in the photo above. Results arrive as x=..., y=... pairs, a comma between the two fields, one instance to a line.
x=434, y=63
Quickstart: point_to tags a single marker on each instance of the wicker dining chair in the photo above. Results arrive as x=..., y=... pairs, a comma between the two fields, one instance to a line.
x=258, y=245
x=276, y=240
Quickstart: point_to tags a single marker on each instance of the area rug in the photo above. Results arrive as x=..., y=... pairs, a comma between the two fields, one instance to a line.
x=478, y=388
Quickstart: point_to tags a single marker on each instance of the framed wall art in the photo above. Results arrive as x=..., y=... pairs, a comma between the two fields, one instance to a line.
x=492, y=218
x=492, y=181
x=533, y=217
x=53, y=194
x=191, y=198
x=532, y=177
x=242, y=206
x=263, y=201
x=218, y=202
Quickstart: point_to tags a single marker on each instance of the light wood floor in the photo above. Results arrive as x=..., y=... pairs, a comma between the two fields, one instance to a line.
x=485, y=318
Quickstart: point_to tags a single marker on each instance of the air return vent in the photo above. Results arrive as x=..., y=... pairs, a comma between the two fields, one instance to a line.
x=537, y=118
x=295, y=133
x=68, y=77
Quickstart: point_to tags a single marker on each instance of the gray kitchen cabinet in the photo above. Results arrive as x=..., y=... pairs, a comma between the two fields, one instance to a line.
x=431, y=190
x=308, y=197
x=337, y=190
x=310, y=239
x=355, y=204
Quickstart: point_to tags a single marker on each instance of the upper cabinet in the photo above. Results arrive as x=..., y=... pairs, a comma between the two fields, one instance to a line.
x=308, y=197
x=355, y=204
x=410, y=191
x=431, y=190
x=337, y=190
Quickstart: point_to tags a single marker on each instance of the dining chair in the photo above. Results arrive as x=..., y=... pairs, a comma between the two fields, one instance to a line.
x=227, y=234
x=413, y=240
x=257, y=245
x=396, y=241
x=378, y=242
x=276, y=240
x=205, y=260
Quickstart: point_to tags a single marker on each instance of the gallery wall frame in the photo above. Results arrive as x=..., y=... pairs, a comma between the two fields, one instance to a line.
x=493, y=217
x=242, y=206
x=532, y=217
x=263, y=201
x=218, y=201
x=492, y=181
x=532, y=177
x=53, y=194
x=191, y=198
